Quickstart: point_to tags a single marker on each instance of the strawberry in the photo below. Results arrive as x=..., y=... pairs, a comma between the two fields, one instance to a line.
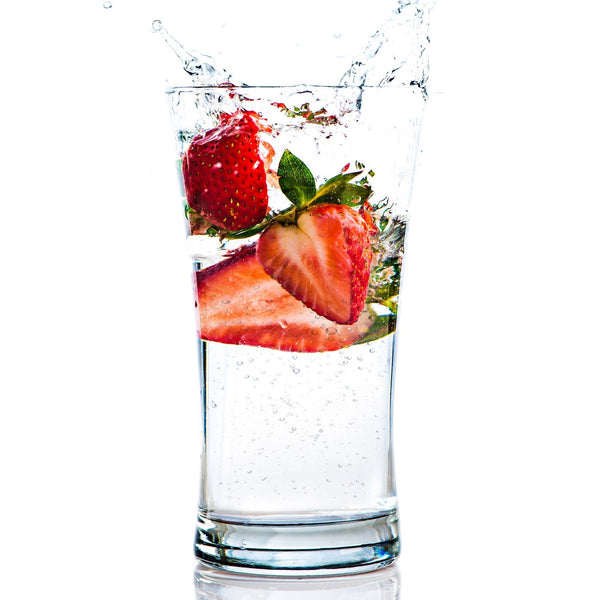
x=323, y=259
x=366, y=212
x=238, y=303
x=224, y=175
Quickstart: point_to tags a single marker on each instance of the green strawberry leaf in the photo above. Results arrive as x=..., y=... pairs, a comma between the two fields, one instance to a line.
x=295, y=179
x=352, y=194
x=331, y=185
x=339, y=189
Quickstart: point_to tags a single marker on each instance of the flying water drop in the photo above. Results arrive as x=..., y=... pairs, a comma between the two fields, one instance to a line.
x=202, y=68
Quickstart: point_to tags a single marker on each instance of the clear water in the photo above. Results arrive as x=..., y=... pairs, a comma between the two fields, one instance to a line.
x=304, y=438
x=297, y=436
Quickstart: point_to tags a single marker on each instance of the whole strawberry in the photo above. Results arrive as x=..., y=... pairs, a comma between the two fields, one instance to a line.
x=224, y=175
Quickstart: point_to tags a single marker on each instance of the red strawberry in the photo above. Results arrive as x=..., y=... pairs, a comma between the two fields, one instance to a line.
x=323, y=259
x=224, y=175
x=238, y=303
x=366, y=212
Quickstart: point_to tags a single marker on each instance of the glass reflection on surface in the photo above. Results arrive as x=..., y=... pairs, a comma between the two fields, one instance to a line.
x=212, y=584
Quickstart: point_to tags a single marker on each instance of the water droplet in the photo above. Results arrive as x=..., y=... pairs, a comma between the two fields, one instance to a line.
x=240, y=363
x=107, y=4
x=295, y=370
x=157, y=25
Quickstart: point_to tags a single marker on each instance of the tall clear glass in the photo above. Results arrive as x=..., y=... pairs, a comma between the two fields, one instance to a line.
x=296, y=204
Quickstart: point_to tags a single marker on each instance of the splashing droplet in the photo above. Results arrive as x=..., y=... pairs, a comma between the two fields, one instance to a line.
x=201, y=67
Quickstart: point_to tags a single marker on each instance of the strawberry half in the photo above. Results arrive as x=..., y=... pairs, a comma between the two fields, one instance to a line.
x=238, y=303
x=224, y=175
x=323, y=259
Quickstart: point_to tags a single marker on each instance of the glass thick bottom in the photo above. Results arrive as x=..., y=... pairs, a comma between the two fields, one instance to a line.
x=299, y=549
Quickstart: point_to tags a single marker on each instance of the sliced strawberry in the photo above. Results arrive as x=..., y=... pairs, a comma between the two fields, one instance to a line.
x=224, y=174
x=238, y=303
x=323, y=259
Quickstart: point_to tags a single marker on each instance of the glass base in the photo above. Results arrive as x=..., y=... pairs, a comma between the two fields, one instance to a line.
x=299, y=549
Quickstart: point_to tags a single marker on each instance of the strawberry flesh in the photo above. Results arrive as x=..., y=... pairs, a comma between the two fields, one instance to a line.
x=323, y=260
x=238, y=303
x=224, y=175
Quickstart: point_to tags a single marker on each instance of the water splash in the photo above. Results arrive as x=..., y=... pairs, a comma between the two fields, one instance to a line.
x=397, y=52
x=202, y=68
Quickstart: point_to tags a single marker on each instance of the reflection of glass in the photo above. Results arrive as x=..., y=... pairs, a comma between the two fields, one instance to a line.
x=218, y=585
x=297, y=270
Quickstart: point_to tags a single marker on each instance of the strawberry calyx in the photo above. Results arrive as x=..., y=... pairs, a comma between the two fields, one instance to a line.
x=298, y=185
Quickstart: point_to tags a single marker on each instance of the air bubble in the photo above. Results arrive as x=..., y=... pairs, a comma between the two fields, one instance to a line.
x=157, y=25
x=107, y=4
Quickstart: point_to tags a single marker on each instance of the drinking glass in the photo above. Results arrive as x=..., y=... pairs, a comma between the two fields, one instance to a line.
x=297, y=465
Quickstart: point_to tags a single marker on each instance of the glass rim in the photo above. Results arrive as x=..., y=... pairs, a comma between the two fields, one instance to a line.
x=300, y=86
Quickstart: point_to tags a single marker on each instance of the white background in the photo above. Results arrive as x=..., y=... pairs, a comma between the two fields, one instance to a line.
x=498, y=446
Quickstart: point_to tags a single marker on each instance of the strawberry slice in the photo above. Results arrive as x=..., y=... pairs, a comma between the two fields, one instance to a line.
x=224, y=174
x=323, y=259
x=238, y=303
